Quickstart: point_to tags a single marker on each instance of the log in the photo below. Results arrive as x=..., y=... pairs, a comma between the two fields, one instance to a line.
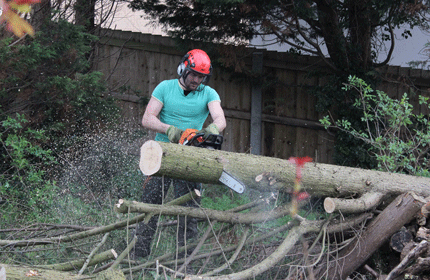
x=205, y=166
x=399, y=239
x=366, y=202
x=150, y=161
x=399, y=212
x=14, y=272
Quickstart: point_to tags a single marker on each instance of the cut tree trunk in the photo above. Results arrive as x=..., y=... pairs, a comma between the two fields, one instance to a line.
x=205, y=166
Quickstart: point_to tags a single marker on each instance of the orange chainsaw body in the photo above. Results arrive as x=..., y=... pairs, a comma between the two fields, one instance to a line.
x=192, y=137
x=188, y=135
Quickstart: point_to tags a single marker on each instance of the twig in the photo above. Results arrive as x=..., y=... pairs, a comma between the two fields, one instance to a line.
x=123, y=254
x=93, y=252
x=171, y=270
x=37, y=227
x=373, y=272
x=73, y=237
x=233, y=258
x=199, y=245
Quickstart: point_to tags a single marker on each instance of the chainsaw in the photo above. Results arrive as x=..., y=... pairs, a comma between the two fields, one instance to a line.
x=191, y=137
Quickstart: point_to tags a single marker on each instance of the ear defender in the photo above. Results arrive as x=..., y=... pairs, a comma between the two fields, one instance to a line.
x=182, y=66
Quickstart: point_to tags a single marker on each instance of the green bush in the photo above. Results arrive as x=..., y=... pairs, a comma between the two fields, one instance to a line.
x=398, y=138
x=49, y=79
x=49, y=102
x=23, y=182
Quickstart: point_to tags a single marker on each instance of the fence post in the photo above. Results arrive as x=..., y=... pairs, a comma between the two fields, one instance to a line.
x=256, y=111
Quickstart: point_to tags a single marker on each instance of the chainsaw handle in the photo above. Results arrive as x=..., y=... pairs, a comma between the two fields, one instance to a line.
x=195, y=140
x=212, y=140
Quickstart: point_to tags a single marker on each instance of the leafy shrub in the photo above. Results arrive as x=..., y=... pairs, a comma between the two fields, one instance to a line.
x=23, y=184
x=398, y=138
x=49, y=79
x=47, y=84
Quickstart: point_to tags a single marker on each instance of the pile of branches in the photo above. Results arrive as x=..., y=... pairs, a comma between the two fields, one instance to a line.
x=242, y=240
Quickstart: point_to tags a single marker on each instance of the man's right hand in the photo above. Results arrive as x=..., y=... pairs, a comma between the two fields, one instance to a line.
x=174, y=134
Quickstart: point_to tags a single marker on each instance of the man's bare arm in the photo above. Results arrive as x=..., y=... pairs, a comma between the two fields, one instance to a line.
x=217, y=114
x=150, y=118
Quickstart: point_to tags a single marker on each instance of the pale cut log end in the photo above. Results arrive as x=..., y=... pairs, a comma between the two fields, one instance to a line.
x=423, y=234
x=114, y=253
x=329, y=205
x=198, y=193
x=150, y=157
x=120, y=202
x=2, y=273
x=259, y=178
x=425, y=210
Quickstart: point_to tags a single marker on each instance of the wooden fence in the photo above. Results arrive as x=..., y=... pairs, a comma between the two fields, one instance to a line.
x=134, y=63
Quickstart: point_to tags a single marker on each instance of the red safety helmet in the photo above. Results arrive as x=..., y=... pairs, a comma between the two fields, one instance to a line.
x=198, y=61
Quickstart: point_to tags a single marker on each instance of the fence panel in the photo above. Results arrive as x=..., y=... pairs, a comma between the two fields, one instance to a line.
x=136, y=63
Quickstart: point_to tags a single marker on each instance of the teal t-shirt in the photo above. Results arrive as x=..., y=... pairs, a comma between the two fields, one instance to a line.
x=183, y=111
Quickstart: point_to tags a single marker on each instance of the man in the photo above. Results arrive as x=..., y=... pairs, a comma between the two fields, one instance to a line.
x=175, y=106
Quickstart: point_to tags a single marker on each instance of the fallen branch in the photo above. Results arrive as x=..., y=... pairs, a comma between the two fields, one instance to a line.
x=123, y=254
x=125, y=206
x=366, y=202
x=74, y=265
x=195, y=251
x=75, y=236
x=289, y=242
x=421, y=266
x=202, y=213
x=240, y=246
x=93, y=252
x=413, y=254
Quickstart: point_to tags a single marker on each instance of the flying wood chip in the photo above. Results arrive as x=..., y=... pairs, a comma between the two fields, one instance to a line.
x=32, y=273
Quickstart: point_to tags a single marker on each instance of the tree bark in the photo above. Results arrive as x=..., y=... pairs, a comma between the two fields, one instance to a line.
x=394, y=216
x=205, y=166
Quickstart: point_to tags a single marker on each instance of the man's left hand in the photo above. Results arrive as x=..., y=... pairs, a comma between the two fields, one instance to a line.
x=210, y=129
